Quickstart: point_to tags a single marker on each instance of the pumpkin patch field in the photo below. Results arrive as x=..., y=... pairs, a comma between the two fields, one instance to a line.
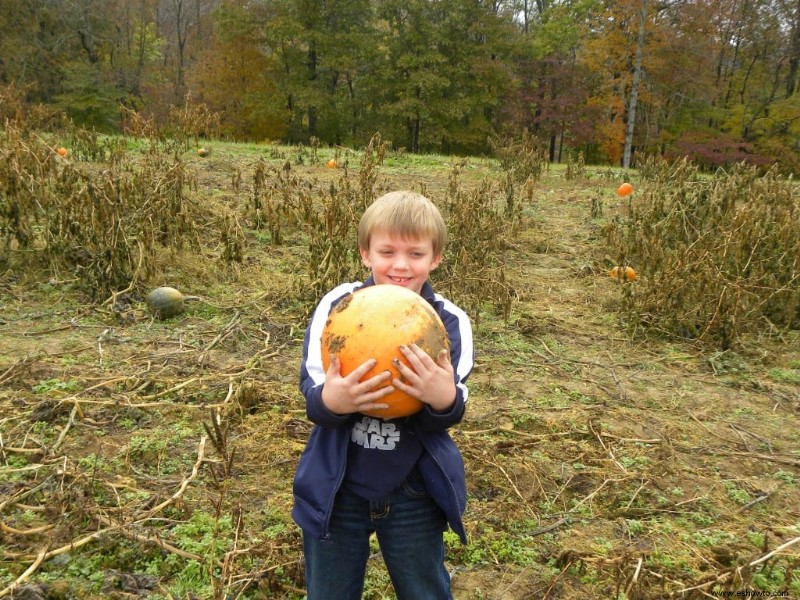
x=625, y=437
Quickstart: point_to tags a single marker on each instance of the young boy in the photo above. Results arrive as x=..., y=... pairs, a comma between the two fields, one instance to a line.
x=406, y=491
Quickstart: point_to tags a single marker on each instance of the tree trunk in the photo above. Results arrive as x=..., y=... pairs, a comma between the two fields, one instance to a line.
x=736, y=46
x=412, y=126
x=312, y=121
x=312, y=76
x=794, y=54
x=525, y=17
x=637, y=78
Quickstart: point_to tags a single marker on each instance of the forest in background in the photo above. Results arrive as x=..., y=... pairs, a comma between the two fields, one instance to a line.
x=715, y=80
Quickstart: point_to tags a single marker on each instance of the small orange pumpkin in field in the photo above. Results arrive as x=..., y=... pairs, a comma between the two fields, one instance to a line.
x=373, y=322
x=332, y=164
x=628, y=274
x=61, y=151
x=625, y=189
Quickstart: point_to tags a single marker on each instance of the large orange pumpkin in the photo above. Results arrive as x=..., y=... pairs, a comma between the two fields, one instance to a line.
x=374, y=322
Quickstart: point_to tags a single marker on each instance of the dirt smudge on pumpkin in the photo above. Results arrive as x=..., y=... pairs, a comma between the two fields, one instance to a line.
x=335, y=343
x=343, y=304
x=433, y=340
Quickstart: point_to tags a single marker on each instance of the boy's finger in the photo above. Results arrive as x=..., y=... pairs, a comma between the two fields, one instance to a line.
x=416, y=356
x=334, y=368
x=410, y=374
x=373, y=406
x=444, y=360
x=362, y=369
x=374, y=396
x=375, y=381
x=404, y=387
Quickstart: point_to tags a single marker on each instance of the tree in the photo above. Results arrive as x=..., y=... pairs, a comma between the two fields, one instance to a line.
x=609, y=78
x=236, y=77
x=181, y=24
x=34, y=47
x=794, y=49
x=443, y=71
x=553, y=101
x=411, y=76
x=652, y=65
x=634, y=94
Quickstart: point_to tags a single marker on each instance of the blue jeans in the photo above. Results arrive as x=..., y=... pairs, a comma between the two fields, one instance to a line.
x=409, y=527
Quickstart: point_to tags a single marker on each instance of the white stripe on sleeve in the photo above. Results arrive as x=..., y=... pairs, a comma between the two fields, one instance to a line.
x=466, y=359
x=314, y=359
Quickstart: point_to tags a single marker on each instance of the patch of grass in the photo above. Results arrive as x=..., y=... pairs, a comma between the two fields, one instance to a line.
x=634, y=462
x=70, y=360
x=94, y=463
x=736, y=493
x=780, y=375
x=11, y=470
x=602, y=547
x=204, y=310
x=57, y=385
x=635, y=527
x=709, y=537
x=493, y=546
x=524, y=420
x=785, y=476
x=770, y=578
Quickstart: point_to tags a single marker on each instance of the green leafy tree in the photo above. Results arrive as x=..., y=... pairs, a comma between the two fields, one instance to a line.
x=477, y=41
x=237, y=78
x=410, y=81
x=444, y=72
x=319, y=52
x=34, y=47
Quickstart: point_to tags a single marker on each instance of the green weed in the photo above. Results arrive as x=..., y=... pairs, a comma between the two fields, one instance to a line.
x=490, y=546
x=57, y=385
x=785, y=476
x=735, y=493
x=770, y=578
x=785, y=375
x=635, y=527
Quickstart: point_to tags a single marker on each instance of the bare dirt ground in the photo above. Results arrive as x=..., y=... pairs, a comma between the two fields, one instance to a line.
x=154, y=459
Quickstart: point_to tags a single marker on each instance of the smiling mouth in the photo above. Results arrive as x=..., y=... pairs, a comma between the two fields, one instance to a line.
x=399, y=279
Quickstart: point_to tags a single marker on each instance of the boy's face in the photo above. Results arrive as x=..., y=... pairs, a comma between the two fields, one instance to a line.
x=400, y=261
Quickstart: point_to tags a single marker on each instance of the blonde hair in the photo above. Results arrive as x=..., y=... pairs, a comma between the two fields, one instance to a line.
x=405, y=214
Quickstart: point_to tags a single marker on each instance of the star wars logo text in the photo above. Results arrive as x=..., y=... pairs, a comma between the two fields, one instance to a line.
x=376, y=434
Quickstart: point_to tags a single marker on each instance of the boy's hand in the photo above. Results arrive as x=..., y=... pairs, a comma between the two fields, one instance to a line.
x=345, y=395
x=428, y=381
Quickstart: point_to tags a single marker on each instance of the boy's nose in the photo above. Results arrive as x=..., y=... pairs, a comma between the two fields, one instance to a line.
x=400, y=262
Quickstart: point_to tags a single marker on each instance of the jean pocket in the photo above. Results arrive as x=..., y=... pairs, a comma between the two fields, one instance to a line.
x=413, y=486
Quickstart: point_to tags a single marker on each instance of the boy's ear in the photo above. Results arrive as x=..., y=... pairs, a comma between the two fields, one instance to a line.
x=365, y=257
x=436, y=260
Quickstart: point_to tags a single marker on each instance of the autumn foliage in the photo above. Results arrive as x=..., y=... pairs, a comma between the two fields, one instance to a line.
x=431, y=76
